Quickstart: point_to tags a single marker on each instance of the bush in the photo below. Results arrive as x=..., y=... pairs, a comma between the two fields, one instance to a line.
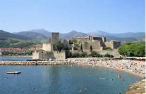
x=107, y=48
x=68, y=54
x=108, y=55
x=95, y=54
x=83, y=54
x=75, y=54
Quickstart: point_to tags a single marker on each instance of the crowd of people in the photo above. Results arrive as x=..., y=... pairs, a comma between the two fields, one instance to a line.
x=136, y=67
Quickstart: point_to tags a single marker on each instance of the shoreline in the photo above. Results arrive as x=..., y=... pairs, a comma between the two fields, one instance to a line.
x=14, y=56
x=116, y=68
x=82, y=63
x=136, y=74
x=94, y=63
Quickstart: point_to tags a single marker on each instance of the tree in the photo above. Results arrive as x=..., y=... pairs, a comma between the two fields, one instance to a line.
x=76, y=46
x=74, y=41
x=132, y=49
x=59, y=46
x=140, y=51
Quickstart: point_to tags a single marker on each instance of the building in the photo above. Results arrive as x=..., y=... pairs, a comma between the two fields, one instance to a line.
x=93, y=43
x=47, y=52
x=85, y=44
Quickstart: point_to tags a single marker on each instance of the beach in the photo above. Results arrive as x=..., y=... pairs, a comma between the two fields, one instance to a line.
x=130, y=66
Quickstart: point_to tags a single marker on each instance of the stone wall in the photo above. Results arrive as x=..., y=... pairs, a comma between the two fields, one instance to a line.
x=108, y=44
x=37, y=55
x=55, y=37
x=59, y=55
x=44, y=55
x=112, y=44
x=47, y=47
x=113, y=52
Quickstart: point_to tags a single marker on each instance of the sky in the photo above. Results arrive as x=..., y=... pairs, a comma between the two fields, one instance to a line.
x=112, y=16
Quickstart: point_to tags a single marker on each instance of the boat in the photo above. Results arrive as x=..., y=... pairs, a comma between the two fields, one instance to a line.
x=14, y=72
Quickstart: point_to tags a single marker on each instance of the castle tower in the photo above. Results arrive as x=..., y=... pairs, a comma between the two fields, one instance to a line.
x=55, y=37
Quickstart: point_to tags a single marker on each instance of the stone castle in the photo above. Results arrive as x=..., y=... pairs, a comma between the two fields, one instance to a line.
x=48, y=52
x=85, y=44
x=93, y=42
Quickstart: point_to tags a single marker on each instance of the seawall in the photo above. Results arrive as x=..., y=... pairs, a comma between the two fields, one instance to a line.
x=34, y=62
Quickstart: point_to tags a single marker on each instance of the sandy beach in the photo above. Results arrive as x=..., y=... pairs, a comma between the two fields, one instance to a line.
x=130, y=66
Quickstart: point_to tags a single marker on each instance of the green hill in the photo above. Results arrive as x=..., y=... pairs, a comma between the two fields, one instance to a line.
x=12, y=40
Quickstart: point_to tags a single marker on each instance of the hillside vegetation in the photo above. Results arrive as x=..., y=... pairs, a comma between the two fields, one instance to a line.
x=132, y=49
x=12, y=40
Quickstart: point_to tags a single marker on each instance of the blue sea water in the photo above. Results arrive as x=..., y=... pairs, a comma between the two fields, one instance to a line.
x=63, y=79
x=9, y=58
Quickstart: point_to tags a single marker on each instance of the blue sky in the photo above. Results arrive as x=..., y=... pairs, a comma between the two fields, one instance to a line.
x=112, y=16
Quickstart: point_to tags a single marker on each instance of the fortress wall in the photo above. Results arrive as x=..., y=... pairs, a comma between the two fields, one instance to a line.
x=49, y=55
x=86, y=48
x=47, y=47
x=114, y=52
x=116, y=44
x=55, y=37
x=96, y=46
x=112, y=44
x=109, y=44
x=37, y=55
x=82, y=40
x=60, y=55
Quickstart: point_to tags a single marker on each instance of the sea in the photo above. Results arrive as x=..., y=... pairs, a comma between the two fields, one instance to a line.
x=62, y=79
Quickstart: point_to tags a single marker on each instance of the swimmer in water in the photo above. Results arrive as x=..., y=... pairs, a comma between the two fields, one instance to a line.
x=33, y=88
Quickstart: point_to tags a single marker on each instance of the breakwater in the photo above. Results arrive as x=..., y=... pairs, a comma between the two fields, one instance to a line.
x=35, y=62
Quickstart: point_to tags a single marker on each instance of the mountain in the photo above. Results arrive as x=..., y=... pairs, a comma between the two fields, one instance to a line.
x=120, y=35
x=5, y=35
x=44, y=34
x=72, y=34
x=12, y=40
x=99, y=33
x=32, y=35
x=130, y=34
x=41, y=31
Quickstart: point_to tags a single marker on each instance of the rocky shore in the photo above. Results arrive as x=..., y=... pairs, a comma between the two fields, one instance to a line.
x=137, y=88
